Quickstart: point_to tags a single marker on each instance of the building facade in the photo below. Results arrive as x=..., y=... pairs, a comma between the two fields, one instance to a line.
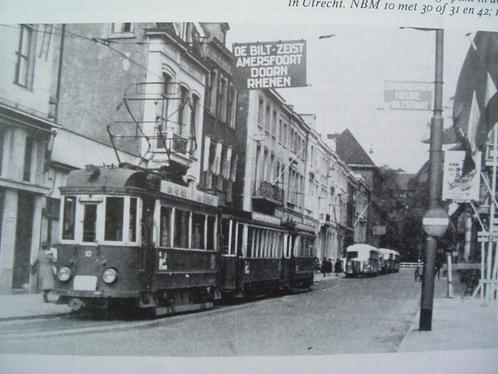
x=161, y=96
x=80, y=94
x=27, y=131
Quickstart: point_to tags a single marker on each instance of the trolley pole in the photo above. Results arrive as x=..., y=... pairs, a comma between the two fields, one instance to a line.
x=435, y=185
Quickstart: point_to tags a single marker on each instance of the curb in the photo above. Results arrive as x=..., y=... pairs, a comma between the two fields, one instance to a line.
x=34, y=316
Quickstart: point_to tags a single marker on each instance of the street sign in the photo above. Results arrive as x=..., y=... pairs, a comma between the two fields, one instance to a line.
x=435, y=222
x=276, y=64
x=379, y=230
x=407, y=95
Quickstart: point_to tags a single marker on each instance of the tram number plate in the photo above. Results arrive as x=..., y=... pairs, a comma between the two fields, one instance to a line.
x=85, y=283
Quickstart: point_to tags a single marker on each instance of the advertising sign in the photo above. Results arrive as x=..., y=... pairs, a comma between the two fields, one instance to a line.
x=278, y=64
x=406, y=95
x=378, y=230
x=456, y=187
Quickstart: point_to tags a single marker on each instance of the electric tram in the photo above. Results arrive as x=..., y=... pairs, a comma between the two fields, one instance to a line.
x=132, y=239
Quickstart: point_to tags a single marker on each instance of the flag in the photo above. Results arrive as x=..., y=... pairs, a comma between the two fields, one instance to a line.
x=476, y=99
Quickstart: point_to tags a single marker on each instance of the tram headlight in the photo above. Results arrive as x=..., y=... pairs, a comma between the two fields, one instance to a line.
x=109, y=275
x=64, y=274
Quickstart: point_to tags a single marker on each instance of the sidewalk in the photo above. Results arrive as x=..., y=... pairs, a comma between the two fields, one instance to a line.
x=458, y=323
x=27, y=305
x=318, y=277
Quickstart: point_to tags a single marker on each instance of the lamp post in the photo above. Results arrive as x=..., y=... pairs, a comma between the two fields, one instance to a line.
x=435, y=185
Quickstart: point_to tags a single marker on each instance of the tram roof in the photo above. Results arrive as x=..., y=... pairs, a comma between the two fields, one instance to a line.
x=106, y=178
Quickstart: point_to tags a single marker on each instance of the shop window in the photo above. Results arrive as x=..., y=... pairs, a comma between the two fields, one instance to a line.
x=133, y=220
x=210, y=245
x=25, y=57
x=114, y=219
x=69, y=217
x=89, y=222
x=165, y=223
x=181, y=228
x=198, y=229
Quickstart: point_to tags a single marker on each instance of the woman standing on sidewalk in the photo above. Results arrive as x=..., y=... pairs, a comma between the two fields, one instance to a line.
x=43, y=265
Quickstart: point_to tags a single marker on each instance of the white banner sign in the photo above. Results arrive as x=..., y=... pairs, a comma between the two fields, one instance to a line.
x=456, y=187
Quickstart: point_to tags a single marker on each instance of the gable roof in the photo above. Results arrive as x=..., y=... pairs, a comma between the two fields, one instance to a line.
x=351, y=152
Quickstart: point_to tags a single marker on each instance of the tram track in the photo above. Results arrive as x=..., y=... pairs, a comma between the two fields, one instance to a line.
x=84, y=323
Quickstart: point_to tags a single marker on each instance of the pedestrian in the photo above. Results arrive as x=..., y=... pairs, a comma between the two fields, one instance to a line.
x=329, y=265
x=323, y=267
x=337, y=266
x=316, y=264
x=44, y=266
x=418, y=275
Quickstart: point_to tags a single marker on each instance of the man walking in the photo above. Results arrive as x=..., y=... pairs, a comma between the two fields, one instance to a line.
x=44, y=266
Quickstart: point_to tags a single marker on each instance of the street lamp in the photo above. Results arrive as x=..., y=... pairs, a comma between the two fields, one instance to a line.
x=435, y=184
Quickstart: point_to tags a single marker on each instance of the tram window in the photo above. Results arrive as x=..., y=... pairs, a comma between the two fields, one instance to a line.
x=297, y=246
x=133, y=220
x=250, y=241
x=240, y=231
x=234, y=236
x=89, y=222
x=165, y=222
x=225, y=235
x=210, y=245
x=198, y=228
x=114, y=219
x=181, y=228
x=69, y=217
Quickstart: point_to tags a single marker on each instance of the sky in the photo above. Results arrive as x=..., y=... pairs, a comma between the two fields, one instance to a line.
x=346, y=75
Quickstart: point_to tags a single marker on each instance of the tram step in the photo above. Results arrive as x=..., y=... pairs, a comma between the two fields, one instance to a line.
x=162, y=311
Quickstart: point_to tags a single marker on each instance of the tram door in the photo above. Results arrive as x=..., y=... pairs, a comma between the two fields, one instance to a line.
x=147, y=250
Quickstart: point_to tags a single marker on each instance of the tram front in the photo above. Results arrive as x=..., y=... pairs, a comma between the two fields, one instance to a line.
x=103, y=237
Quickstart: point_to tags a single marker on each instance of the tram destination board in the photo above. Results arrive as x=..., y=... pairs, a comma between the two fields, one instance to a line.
x=275, y=64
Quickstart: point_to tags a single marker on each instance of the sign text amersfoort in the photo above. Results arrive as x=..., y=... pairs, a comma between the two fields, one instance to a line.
x=278, y=64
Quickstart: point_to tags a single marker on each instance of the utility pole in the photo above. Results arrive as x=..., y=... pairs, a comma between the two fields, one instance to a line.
x=435, y=185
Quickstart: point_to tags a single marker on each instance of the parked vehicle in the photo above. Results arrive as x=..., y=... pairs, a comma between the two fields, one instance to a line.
x=396, y=262
x=389, y=260
x=362, y=259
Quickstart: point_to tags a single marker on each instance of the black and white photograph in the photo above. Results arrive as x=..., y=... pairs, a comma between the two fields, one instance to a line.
x=222, y=190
